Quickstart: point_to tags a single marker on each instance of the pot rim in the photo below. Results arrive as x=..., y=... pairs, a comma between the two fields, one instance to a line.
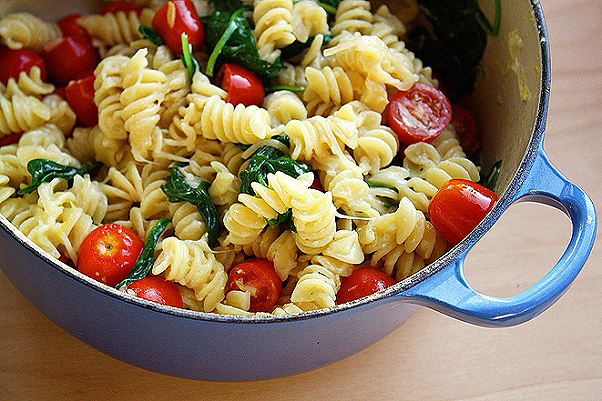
x=444, y=261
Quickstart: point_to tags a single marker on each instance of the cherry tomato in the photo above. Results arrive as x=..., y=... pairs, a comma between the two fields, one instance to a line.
x=363, y=281
x=157, y=289
x=466, y=128
x=177, y=17
x=259, y=278
x=12, y=62
x=458, y=207
x=68, y=57
x=419, y=114
x=241, y=84
x=80, y=96
x=317, y=184
x=109, y=253
x=69, y=26
x=121, y=6
x=61, y=92
x=10, y=139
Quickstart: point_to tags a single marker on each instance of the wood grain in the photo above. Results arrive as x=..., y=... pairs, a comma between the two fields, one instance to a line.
x=557, y=356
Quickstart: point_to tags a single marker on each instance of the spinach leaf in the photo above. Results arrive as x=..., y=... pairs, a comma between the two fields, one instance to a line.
x=455, y=45
x=147, y=256
x=178, y=190
x=150, y=34
x=284, y=218
x=490, y=181
x=294, y=49
x=267, y=160
x=227, y=5
x=190, y=63
x=230, y=37
x=330, y=6
x=43, y=170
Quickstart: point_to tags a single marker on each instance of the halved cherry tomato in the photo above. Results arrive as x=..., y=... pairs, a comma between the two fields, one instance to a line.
x=121, y=6
x=68, y=57
x=109, y=253
x=241, y=84
x=259, y=278
x=363, y=281
x=177, y=17
x=317, y=184
x=69, y=26
x=458, y=207
x=157, y=289
x=80, y=96
x=13, y=61
x=419, y=114
x=466, y=128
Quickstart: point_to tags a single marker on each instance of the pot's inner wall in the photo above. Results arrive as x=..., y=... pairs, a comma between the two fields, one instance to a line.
x=506, y=100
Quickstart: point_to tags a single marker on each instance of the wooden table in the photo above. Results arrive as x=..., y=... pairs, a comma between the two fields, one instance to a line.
x=556, y=356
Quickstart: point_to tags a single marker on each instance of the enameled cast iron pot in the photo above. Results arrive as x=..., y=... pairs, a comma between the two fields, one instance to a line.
x=225, y=348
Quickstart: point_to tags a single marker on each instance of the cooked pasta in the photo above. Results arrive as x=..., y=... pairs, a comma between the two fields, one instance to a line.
x=312, y=180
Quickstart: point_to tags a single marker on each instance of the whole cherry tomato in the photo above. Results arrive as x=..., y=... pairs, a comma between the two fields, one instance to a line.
x=466, y=128
x=13, y=61
x=69, y=26
x=121, y=6
x=419, y=114
x=157, y=289
x=177, y=17
x=241, y=84
x=363, y=281
x=259, y=278
x=68, y=57
x=458, y=207
x=109, y=253
x=80, y=96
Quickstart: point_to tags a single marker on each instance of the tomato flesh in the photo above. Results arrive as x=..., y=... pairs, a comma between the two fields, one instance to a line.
x=458, y=207
x=10, y=139
x=466, y=128
x=242, y=85
x=69, y=57
x=157, y=289
x=80, y=96
x=13, y=61
x=109, y=253
x=362, y=282
x=419, y=114
x=121, y=6
x=177, y=17
x=70, y=27
x=260, y=279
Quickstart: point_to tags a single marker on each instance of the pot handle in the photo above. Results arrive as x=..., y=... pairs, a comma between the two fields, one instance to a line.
x=448, y=292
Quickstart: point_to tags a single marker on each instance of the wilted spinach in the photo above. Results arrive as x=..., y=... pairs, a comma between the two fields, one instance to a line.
x=43, y=170
x=455, y=45
x=178, y=190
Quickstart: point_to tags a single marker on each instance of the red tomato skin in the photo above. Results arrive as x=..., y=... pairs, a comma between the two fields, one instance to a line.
x=121, y=6
x=419, y=114
x=70, y=27
x=109, y=253
x=466, y=128
x=458, y=207
x=157, y=289
x=13, y=61
x=258, y=276
x=362, y=282
x=242, y=85
x=185, y=20
x=80, y=96
x=10, y=139
x=68, y=57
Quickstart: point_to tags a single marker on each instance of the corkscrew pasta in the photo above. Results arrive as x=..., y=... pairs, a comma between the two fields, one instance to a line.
x=362, y=200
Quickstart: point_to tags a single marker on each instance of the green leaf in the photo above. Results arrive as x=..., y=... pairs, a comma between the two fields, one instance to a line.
x=294, y=49
x=43, y=170
x=330, y=6
x=190, y=63
x=491, y=180
x=178, y=190
x=276, y=88
x=374, y=184
x=284, y=218
x=147, y=256
x=149, y=33
x=268, y=160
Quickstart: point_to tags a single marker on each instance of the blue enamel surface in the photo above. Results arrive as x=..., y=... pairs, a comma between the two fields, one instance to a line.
x=448, y=292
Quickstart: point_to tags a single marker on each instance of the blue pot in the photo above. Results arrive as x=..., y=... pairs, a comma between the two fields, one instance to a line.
x=231, y=348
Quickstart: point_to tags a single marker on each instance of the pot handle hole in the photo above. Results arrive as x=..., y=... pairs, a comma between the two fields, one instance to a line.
x=448, y=292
